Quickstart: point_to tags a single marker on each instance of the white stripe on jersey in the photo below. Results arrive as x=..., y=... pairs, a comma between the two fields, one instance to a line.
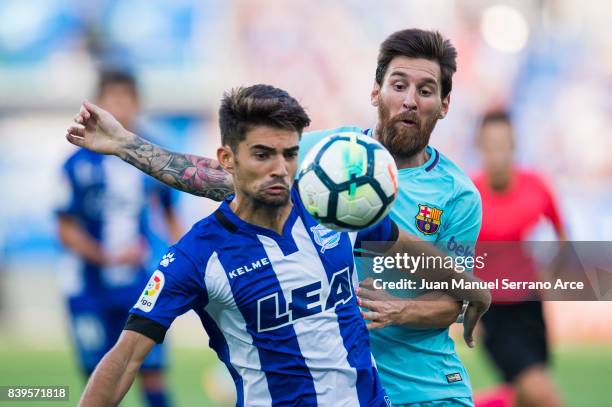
x=355, y=278
x=123, y=201
x=319, y=337
x=353, y=238
x=244, y=357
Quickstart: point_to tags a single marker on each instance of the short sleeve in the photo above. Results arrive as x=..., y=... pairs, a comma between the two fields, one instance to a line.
x=385, y=231
x=459, y=236
x=551, y=209
x=173, y=289
x=167, y=197
x=65, y=202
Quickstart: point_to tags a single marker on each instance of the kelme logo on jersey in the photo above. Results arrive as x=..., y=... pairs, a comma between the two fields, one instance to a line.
x=324, y=237
x=428, y=219
x=167, y=259
x=149, y=296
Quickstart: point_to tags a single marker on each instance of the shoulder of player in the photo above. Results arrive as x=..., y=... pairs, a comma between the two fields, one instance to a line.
x=531, y=177
x=81, y=155
x=206, y=229
x=201, y=240
x=460, y=184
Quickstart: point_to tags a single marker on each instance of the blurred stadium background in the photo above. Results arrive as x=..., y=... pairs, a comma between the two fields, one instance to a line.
x=549, y=61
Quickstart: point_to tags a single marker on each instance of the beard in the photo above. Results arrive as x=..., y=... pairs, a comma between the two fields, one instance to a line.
x=261, y=197
x=402, y=141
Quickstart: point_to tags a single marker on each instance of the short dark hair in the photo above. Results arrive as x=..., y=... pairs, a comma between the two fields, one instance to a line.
x=116, y=77
x=496, y=116
x=416, y=43
x=258, y=105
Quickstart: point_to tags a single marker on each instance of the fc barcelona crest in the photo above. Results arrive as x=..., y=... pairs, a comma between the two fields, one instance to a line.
x=428, y=219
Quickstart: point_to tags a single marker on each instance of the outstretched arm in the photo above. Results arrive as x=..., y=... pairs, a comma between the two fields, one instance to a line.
x=431, y=310
x=479, y=299
x=116, y=371
x=75, y=238
x=97, y=130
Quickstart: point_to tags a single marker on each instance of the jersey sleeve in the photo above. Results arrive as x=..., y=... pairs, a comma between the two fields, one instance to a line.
x=167, y=196
x=65, y=197
x=551, y=209
x=173, y=289
x=459, y=236
x=385, y=231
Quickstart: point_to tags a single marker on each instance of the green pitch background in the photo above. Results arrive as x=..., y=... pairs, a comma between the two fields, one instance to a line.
x=581, y=372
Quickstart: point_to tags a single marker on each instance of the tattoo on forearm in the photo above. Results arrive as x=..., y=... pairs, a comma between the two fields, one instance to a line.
x=185, y=172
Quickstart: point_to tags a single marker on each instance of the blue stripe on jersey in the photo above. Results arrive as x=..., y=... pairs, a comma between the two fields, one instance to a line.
x=219, y=344
x=282, y=356
x=356, y=341
x=85, y=205
x=282, y=361
x=435, y=161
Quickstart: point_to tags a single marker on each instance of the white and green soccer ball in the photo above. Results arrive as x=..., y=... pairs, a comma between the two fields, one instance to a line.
x=348, y=181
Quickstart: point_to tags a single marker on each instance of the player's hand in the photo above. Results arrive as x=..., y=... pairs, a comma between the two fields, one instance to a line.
x=382, y=308
x=133, y=255
x=473, y=313
x=97, y=130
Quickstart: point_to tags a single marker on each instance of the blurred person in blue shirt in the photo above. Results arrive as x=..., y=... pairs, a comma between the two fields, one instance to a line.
x=436, y=201
x=104, y=219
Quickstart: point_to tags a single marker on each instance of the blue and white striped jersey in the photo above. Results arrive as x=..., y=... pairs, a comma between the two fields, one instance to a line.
x=279, y=309
x=438, y=203
x=110, y=201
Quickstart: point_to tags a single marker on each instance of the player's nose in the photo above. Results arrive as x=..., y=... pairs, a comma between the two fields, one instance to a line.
x=280, y=167
x=409, y=102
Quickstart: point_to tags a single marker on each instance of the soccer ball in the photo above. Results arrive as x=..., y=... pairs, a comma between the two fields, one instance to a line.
x=348, y=181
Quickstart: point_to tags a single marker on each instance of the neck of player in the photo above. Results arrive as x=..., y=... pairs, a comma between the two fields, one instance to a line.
x=415, y=160
x=260, y=214
x=500, y=180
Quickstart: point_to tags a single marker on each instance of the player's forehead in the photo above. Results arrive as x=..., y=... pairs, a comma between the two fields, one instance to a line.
x=117, y=89
x=495, y=133
x=271, y=138
x=413, y=69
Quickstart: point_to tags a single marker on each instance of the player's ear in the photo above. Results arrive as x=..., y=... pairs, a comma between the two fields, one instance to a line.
x=225, y=156
x=375, y=94
x=444, y=108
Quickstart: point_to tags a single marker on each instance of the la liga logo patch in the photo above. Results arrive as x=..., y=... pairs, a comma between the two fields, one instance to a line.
x=428, y=219
x=150, y=294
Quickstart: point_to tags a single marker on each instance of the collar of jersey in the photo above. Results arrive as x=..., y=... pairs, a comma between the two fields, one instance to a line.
x=434, y=158
x=260, y=230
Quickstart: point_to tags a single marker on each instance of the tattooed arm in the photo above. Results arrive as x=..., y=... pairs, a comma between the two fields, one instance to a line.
x=97, y=130
x=185, y=172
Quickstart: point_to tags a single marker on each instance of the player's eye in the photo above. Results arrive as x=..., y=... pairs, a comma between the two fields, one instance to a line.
x=291, y=155
x=261, y=155
x=399, y=86
x=425, y=92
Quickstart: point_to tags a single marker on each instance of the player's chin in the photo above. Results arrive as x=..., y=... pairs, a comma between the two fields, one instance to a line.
x=276, y=198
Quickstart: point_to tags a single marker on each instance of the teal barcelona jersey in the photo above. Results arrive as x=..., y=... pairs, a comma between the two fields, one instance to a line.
x=438, y=203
